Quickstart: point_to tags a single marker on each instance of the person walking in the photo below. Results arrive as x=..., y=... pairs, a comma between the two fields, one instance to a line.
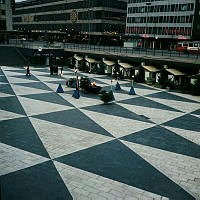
x=28, y=71
x=61, y=70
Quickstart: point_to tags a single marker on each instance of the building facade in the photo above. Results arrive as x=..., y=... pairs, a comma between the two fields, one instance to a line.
x=5, y=15
x=173, y=19
x=95, y=17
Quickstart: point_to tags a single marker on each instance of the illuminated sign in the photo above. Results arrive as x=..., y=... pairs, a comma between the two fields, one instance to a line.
x=74, y=16
x=27, y=19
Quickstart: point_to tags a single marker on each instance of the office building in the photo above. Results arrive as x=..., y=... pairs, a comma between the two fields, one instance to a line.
x=172, y=19
x=93, y=17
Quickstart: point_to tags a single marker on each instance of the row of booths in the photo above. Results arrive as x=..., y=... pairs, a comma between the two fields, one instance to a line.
x=151, y=74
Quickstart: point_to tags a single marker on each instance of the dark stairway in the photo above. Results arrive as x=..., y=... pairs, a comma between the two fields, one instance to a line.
x=9, y=56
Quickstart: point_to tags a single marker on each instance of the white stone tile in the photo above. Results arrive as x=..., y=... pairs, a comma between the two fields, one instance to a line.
x=157, y=116
x=36, y=107
x=13, y=159
x=87, y=177
x=117, y=126
x=61, y=140
x=175, y=166
x=5, y=115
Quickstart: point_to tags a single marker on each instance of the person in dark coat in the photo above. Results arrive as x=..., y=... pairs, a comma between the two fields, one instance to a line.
x=28, y=71
x=61, y=70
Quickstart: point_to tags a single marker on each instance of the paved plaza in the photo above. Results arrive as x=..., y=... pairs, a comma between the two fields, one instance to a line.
x=55, y=147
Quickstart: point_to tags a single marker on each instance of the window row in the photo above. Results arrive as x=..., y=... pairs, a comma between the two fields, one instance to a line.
x=162, y=8
x=77, y=27
x=141, y=1
x=161, y=19
x=73, y=5
x=66, y=16
x=159, y=30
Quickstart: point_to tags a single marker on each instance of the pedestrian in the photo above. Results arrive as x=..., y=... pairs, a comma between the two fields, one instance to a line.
x=51, y=70
x=61, y=70
x=28, y=71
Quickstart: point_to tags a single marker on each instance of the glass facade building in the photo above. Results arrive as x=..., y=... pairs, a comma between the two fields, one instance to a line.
x=96, y=17
x=163, y=18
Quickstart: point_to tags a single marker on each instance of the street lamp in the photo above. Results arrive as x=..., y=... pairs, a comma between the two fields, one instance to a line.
x=147, y=6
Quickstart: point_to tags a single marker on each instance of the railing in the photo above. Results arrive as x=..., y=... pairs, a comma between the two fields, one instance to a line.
x=105, y=49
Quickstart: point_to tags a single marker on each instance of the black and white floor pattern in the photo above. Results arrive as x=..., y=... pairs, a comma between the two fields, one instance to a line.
x=53, y=146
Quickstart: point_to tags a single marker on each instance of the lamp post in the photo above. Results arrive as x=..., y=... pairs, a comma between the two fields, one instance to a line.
x=147, y=6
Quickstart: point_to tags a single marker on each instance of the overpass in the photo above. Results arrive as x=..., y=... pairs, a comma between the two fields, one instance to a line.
x=131, y=54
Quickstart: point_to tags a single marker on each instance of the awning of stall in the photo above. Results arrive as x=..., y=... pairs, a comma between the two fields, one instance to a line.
x=90, y=60
x=176, y=72
x=109, y=62
x=79, y=58
x=151, y=68
x=126, y=65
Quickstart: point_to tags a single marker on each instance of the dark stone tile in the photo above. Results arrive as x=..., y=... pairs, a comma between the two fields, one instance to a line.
x=107, y=88
x=41, y=182
x=187, y=122
x=33, y=78
x=144, y=102
x=98, y=81
x=6, y=88
x=74, y=118
x=3, y=79
x=36, y=85
x=51, y=76
x=166, y=95
x=196, y=112
x=116, y=110
x=23, y=71
x=137, y=85
x=164, y=139
x=1, y=72
x=21, y=134
x=41, y=70
x=115, y=161
x=11, y=104
x=62, y=82
x=49, y=97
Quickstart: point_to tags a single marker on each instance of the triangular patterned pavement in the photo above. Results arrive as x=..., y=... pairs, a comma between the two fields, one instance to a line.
x=170, y=96
x=161, y=138
x=115, y=161
x=36, y=85
x=176, y=167
x=38, y=182
x=5, y=115
x=51, y=97
x=112, y=125
x=188, y=122
x=6, y=88
x=36, y=107
x=61, y=140
x=196, y=112
x=144, y=102
x=23, y=77
x=155, y=115
x=136, y=85
x=3, y=79
x=49, y=76
x=21, y=134
x=73, y=118
x=41, y=70
x=23, y=71
x=23, y=90
x=17, y=159
x=116, y=110
x=11, y=104
x=179, y=105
